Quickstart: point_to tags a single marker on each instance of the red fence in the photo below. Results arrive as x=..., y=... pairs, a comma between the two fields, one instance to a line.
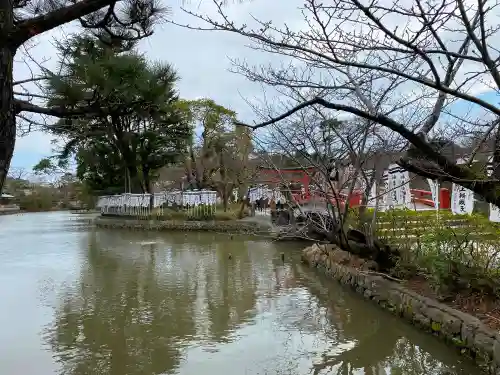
x=302, y=176
x=418, y=196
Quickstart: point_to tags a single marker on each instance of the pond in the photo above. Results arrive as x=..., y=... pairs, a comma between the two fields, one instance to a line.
x=76, y=300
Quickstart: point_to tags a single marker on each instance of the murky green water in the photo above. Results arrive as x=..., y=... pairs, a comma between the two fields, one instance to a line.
x=75, y=301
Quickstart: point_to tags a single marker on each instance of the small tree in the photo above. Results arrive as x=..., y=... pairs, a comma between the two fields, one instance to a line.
x=20, y=21
x=341, y=154
x=140, y=121
x=220, y=160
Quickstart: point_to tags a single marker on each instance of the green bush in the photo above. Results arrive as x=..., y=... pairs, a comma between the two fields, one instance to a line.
x=455, y=253
x=36, y=202
x=197, y=215
x=226, y=216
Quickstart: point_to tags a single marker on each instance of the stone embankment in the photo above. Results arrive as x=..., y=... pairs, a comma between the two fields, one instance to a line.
x=464, y=331
x=235, y=226
x=9, y=210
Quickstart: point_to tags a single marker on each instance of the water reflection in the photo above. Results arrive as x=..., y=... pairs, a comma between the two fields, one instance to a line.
x=119, y=319
x=176, y=304
x=379, y=343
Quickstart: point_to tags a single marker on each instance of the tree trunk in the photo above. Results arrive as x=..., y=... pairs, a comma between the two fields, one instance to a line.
x=136, y=187
x=356, y=242
x=148, y=186
x=7, y=113
x=225, y=198
x=244, y=202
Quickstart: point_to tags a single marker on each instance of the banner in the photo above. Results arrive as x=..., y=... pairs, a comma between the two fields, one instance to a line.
x=385, y=199
x=494, y=213
x=399, y=187
x=372, y=195
x=462, y=199
x=434, y=187
x=404, y=188
x=494, y=210
x=346, y=177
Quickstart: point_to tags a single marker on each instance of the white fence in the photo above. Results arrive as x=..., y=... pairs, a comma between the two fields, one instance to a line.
x=196, y=202
x=264, y=192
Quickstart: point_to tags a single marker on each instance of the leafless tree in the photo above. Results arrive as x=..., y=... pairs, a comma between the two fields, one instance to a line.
x=18, y=173
x=342, y=158
x=409, y=67
x=219, y=158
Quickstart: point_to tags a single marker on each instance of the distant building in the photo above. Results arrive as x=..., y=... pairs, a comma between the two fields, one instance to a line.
x=7, y=204
x=6, y=199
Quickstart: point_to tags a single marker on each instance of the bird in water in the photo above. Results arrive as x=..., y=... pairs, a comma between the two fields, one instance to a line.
x=230, y=256
x=283, y=257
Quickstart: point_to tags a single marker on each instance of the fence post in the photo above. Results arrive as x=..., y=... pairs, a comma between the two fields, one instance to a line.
x=355, y=199
x=444, y=199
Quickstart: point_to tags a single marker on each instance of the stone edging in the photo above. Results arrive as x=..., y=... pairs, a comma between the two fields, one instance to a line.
x=186, y=226
x=461, y=330
x=10, y=212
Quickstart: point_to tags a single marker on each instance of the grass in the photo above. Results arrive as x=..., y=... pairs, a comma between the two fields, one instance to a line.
x=398, y=225
x=455, y=254
x=232, y=213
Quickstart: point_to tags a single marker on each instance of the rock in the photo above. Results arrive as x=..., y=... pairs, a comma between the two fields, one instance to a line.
x=457, y=328
x=340, y=257
x=484, y=342
x=451, y=326
x=433, y=314
x=331, y=247
x=316, y=247
x=496, y=350
x=330, y=264
x=395, y=299
x=307, y=252
x=370, y=265
x=422, y=321
x=467, y=332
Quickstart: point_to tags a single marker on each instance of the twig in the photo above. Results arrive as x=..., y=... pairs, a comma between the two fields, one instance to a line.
x=492, y=317
x=383, y=275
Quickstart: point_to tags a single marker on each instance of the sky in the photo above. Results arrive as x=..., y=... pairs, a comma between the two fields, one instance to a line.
x=201, y=58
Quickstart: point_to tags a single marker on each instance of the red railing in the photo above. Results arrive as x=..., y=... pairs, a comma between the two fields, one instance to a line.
x=425, y=197
x=418, y=196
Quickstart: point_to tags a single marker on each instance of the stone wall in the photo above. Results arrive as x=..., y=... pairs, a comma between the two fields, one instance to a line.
x=462, y=330
x=171, y=225
x=9, y=210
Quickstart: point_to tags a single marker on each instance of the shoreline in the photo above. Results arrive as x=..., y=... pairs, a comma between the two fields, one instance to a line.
x=235, y=227
x=14, y=212
x=465, y=332
x=10, y=212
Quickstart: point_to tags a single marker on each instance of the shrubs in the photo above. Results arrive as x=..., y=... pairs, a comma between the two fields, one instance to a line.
x=226, y=216
x=454, y=253
x=198, y=214
x=37, y=202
